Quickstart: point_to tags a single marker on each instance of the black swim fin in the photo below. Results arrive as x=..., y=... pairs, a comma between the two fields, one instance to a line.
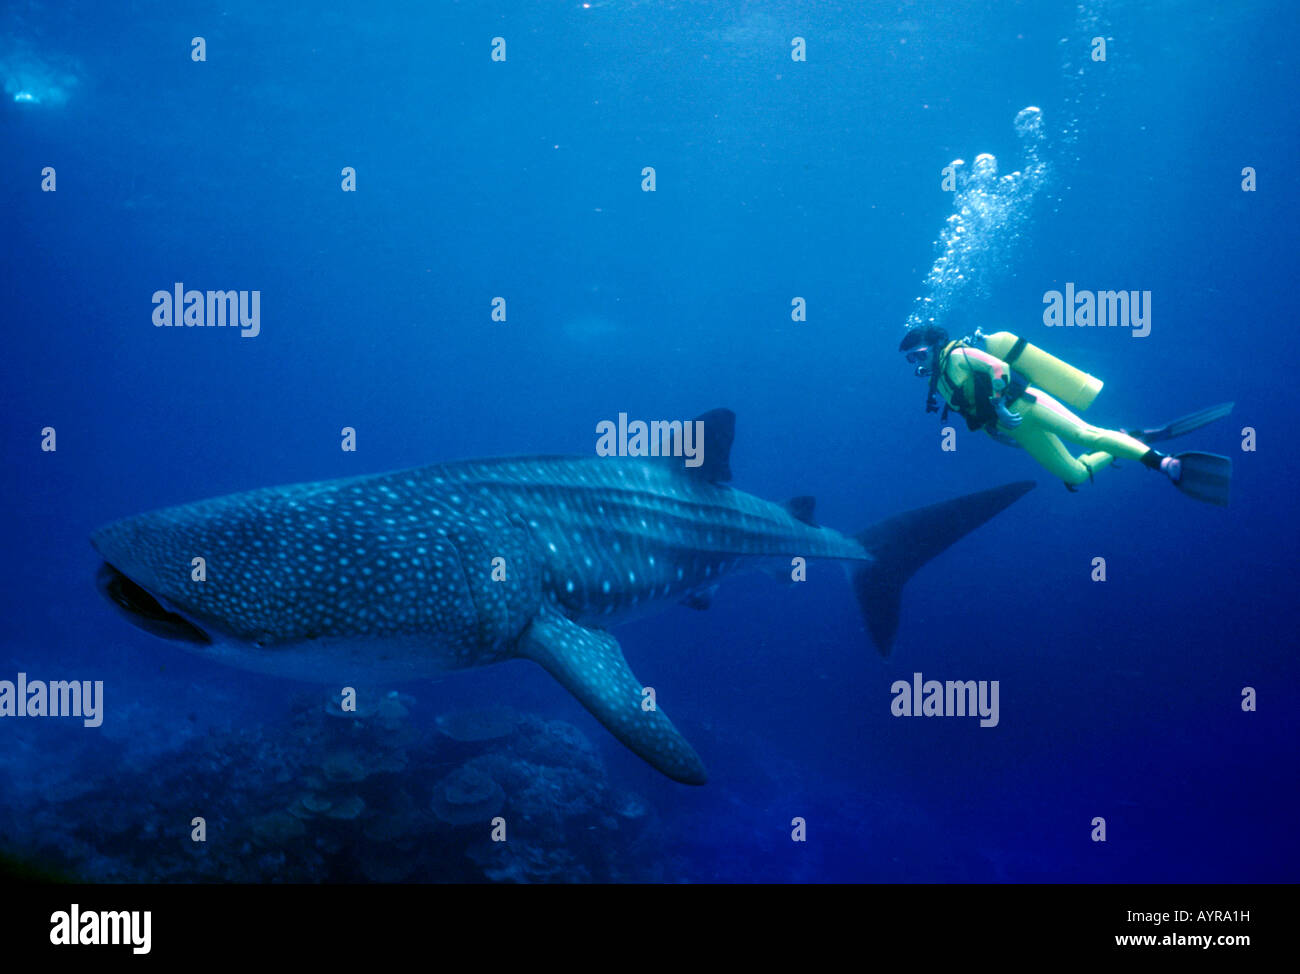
x=1183, y=425
x=1205, y=476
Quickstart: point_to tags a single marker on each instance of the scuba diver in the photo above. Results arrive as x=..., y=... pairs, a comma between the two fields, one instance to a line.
x=987, y=379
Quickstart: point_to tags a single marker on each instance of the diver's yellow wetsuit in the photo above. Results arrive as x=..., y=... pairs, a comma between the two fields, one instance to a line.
x=969, y=378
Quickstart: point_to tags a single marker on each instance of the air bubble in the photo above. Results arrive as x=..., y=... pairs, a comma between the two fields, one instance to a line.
x=987, y=216
x=1029, y=122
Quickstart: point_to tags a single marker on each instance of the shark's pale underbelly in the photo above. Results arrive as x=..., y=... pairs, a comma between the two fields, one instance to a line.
x=342, y=661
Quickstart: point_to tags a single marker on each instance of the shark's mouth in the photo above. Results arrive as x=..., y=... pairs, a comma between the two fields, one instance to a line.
x=145, y=611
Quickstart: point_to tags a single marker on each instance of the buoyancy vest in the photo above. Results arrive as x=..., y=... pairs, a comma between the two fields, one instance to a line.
x=971, y=396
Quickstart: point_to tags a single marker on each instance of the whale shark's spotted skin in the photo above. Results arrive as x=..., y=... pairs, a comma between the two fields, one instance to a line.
x=372, y=557
x=619, y=534
x=407, y=574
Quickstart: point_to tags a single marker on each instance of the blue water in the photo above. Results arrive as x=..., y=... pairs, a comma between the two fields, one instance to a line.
x=775, y=179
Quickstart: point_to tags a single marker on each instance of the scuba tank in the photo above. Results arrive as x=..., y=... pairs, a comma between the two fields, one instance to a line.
x=1056, y=378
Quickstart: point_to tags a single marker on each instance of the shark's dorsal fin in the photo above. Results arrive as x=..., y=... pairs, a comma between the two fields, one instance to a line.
x=719, y=432
x=590, y=665
x=801, y=509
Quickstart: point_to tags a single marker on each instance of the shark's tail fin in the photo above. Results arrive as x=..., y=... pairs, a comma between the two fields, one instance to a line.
x=903, y=543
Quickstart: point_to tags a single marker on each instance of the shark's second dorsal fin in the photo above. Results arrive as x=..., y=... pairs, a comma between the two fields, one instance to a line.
x=719, y=432
x=590, y=665
x=801, y=509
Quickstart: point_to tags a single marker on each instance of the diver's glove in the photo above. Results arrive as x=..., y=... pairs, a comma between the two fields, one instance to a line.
x=1006, y=417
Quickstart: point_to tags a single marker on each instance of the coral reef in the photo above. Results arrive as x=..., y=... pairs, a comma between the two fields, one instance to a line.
x=368, y=794
x=467, y=796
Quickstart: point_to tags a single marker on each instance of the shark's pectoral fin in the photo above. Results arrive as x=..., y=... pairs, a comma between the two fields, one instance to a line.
x=590, y=665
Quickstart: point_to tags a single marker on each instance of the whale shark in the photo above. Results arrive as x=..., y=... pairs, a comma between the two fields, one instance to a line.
x=404, y=575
